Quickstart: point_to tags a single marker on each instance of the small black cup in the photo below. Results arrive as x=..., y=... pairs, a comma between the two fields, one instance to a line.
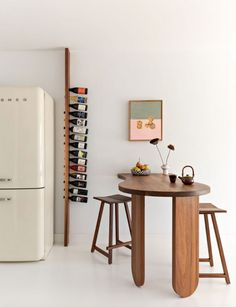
x=172, y=178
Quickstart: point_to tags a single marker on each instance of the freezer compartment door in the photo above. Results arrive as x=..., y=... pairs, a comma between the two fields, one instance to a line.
x=21, y=225
x=21, y=137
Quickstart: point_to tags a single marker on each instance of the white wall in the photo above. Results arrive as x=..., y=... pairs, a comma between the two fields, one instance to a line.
x=180, y=52
x=198, y=90
x=44, y=69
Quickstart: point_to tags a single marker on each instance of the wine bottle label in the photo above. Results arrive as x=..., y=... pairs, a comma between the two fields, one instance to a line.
x=79, y=107
x=81, y=168
x=82, y=90
x=82, y=162
x=81, y=130
x=79, y=99
x=78, y=168
x=78, y=176
x=82, y=154
x=82, y=145
x=78, y=137
x=82, y=107
x=79, y=114
x=79, y=122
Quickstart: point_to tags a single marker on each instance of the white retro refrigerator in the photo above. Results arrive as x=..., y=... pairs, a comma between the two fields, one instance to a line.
x=26, y=173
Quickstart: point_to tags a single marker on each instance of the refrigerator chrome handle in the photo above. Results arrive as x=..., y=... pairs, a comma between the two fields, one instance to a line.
x=5, y=179
x=5, y=198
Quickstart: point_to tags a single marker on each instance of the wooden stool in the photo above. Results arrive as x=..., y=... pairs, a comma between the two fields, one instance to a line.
x=112, y=200
x=209, y=209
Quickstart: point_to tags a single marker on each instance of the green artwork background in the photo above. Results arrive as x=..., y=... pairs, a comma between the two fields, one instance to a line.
x=142, y=109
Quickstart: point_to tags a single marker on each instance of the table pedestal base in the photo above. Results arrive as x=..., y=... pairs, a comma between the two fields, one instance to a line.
x=138, y=239
x=185, y=252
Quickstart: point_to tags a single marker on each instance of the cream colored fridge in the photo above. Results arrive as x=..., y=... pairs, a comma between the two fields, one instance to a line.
x=26, y=173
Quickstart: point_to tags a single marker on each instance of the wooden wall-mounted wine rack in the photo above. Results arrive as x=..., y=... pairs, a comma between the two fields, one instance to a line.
x=66, y=149
x=76, y=129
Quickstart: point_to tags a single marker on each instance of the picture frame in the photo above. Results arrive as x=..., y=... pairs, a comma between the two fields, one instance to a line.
x=145, y=120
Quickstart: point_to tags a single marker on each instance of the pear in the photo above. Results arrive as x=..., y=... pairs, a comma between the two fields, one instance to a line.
x=145, y=167
x=138, y=164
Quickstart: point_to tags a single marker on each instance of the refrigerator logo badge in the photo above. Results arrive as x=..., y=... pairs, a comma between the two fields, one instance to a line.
x=13, y=99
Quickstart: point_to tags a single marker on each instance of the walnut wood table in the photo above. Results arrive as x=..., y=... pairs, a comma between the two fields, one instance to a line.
x=185, y=250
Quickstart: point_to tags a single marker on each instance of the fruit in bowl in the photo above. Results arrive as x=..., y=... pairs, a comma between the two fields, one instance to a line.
x=140, y=169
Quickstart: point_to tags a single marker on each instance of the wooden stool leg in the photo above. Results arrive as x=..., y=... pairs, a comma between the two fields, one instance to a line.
x=110, y=233
x=128, y=218
x=208, y=236
x=97, y=227
x=120, y=243
x=117, y=222
x=220, y=247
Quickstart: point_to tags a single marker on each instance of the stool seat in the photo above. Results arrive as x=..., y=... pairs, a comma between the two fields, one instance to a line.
x=209, y=208
x=114, y=199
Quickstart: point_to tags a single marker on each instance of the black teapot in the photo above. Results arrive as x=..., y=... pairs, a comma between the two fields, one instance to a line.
x=187, y=179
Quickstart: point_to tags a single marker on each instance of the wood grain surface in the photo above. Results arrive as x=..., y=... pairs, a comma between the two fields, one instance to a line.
x=66, y=150
x=138, y=239
x=185, y=250
x=185, y=245
x=159, y=185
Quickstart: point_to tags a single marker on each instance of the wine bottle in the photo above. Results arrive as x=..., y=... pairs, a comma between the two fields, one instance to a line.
x=79, y=184
x=79, y=145
x=81, y=130
x=79, y=199
x=78, y=161
x=79, y=107
x=78, y=168
x=78, y=153
x=79, y=90
x=78, y=191
x=78, y=137
x=79, y=114
x=79, y=99
x=78, y=176
x=78, y=122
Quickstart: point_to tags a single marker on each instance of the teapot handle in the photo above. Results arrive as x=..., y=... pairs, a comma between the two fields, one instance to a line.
x=189, y=167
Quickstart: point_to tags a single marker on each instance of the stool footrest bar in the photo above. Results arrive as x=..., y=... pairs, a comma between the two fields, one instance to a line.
x=101, y=251
x=129, y=246
x=212, y=275
x=204, y=259
x=119, y=244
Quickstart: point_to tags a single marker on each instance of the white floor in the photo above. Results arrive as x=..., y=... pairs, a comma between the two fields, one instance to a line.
x=73, y=277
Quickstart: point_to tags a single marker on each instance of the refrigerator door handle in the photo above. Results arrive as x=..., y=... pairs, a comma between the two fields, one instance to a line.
x=5, y=199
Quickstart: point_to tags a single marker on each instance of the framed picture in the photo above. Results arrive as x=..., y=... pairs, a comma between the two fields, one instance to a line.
x=145, y=120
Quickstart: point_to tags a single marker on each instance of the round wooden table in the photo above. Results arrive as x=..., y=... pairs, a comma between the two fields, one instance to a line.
x=185, y=232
